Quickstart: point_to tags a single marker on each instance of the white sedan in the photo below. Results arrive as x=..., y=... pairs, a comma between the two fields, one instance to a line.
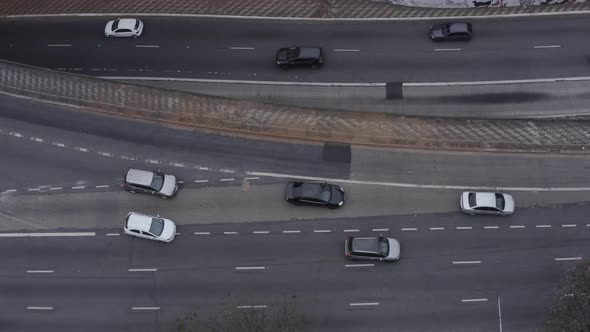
x=486, y=203
x=124, y=27
x=149, y=227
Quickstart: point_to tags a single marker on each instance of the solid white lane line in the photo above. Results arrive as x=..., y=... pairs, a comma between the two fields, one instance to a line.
x=360, y=304
x=380, y=229
x=228, y=179
x=103, y=186
x=568, y=258
x=499, y=314
x=231, y=233
x=260, y=232
x=543, y=226
x=256, y=306
x=145, y=308
x=517, y=226
x=113, y=234
x=47, y=234
x=39, y=271
x=291, y=232
x=351, y=230
x=491, y=227
x=148, y=46
x=143, y=270
x=547, y=46
x=437, y=228
x=568, y=225
x=201, y=181
x=322, y=231
x=242, y=48
x=416, y=185
x=59, y=45
x=359, y=265
x=464, y=227
x=475, y=300
x=346, y=50
x=202, y=233
x=250, y=267
x=466, y=262
x=446, y=49
x=410, y=229
x=39, y=308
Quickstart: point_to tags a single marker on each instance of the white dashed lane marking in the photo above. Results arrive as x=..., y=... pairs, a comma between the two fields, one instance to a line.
x=73, y=234
x=547, y=46
x=437, y=228
x=201, y=181
x=380, y=229
x=231, y=233
x=351, y=230
x=464, y=227
x=143, y=270
x=568, y=225
x=346, y=50
x=145, y=308
x=260, y=232
x=359, y=265
x=361, y=304
x=39, y=271
x=291, y=232
x=255, y=306
x=59, y=45
x=543, y=226
x=246, y=268
x=568, y=258
x=39, y=308
x=242, y=48
x=202, y=233
x=103, y=186
x=491, y=227
x=148, y=46
x=466, y=262
x=113, y=234
x=447, y=49
x=517, y=226
x=322, y=230
x=409, y=229
x=226, y=180
x=474, y=300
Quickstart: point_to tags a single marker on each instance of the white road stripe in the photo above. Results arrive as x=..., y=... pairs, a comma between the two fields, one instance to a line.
x=446, y=49
x=231, y=233
x=360, y=304
x=252, y=178
x=568, y=258
x=106, y=154
x=201, y=181
x=291, y=232
x=250, y=267
x=202, y=233
x=346, y=50
x=34, y=189
x=256, y=306
x=517, y=226
x=351, y=230
x=79, y=187
x=73, y=234
x=474, y=300
x=55, y=188
x=103, y=186
x=322, y=231
x=145, y=308
x=568, y=225
x=464, y=227
x=14, y=190
x=113, y=234
x=40, y=271
x=359, y=265
x=39, y=308
x=59, y=45
x=416, y=185
x=225, y=180
x=466, y=262
x=437, y=228
x=143, y=270
x=242, y=48
x=409, y=229
x=380, y=229
x=547, y=46
x=491, y=227
x=202, y=168
x=260, y=232
x=148, y=46
x=543, y=226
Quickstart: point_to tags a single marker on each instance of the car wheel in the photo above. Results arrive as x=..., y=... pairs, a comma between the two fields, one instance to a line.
x=164, y=197
x=135, y=36
x=315, y=66
x=298, y=203
x=284, y=67
x=111, y=36
x=132, y=191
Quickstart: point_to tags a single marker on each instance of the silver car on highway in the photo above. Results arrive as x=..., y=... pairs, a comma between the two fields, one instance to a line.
x=372, y=248
x=486, y=203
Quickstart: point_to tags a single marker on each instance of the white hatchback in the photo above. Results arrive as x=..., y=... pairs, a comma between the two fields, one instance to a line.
x=124, y=27
x=486, y=203
x=149, y=227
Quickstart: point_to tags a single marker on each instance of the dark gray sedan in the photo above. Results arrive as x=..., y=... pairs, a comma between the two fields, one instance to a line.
x=451, y=31
x=315, y=193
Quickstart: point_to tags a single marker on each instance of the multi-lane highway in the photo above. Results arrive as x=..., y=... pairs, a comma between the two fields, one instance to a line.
x=502, y=49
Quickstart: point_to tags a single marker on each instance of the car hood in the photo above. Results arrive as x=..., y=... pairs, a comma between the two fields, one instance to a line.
x=337, y=196
x=169, y=231
x=394, y=249
x=283, y=54
x=436, y=31
x=508, y=203
x=170, y=186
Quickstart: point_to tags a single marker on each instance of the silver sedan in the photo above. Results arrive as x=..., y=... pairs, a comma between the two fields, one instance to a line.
x=486, y=203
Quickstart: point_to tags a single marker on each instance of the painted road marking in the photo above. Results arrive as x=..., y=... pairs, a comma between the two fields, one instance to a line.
x=145, y=308
x=380, y=229
x=322, y=230
x=202, y=233
x=491, y=227
x=250, y=268
x=517, y=226
x=242, y=48
x=437, y=228
x=568, y=258
x=201, y=181
x=568, y=225
x=260, y=232
x=59, y=45
x=360, y=304
x=79, y=187
x=113, y=234
x=256, y=306
x=475, y=300
x=231, y=233
x=39, y=308
x=447, y=49
x=547, y=46
x=143, y=270
x=409, y=229
x=351, y=230
x=543, y=226
x=148, y=46
x=47, y=234
x=39, y=271
x=346, y=50
x=103, y=186
x=466, y=262
x=228, y=179
x=252, y=178
x=464, y=227
x=291, y=232
x=359, y=265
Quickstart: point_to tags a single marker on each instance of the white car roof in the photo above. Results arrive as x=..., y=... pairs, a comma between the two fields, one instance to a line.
x=485, y=199
x=127, y=23
x=139, y=221
x=140, y=177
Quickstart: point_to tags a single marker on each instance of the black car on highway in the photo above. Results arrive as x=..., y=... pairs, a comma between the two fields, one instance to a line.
x=315, y=193
x=451, y=31
x=300, y=56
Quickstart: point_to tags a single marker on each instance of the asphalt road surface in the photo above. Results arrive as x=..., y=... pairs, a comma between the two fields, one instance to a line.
x=502, y=49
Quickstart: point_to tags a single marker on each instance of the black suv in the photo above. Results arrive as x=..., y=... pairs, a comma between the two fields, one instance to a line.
x=451, y=31
x=300, y=55
x=315, y=193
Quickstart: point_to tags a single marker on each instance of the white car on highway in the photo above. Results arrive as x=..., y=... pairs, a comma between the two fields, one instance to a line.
x=149, y=227
x=124, y=27
x=486, y=203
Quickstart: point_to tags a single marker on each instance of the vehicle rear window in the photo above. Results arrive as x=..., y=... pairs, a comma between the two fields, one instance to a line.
x=157, y=226
x=471, y=198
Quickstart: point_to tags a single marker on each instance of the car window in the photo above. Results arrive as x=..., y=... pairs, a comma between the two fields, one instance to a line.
x=486, y=208
x=500, y=203
x=123, y=30
x=326, y=193
x=157, y=226
x=147, y=234
x=115, y=25
x=136, y=24
x=135, y=231
x=471, y=199
x=383, y=246
x=157, y=181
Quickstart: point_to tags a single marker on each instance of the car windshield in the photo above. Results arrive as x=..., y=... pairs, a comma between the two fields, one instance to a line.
x=157, y=181
x=115, y=25
x=446, y=29
x=471, y=198
x=326, y=193
x=500, y=203
x=383, y=247
x=157, y=226
x=136, y=24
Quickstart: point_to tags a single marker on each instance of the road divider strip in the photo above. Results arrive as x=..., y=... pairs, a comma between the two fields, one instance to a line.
x=73, y=234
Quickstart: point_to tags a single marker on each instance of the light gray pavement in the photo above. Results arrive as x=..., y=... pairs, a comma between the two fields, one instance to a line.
x=492, y=101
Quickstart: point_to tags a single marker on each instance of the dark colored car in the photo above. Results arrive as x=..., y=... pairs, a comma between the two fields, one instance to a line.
x=372, y=248
x=451, y=31
x=315, y=193
x=300, y=56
